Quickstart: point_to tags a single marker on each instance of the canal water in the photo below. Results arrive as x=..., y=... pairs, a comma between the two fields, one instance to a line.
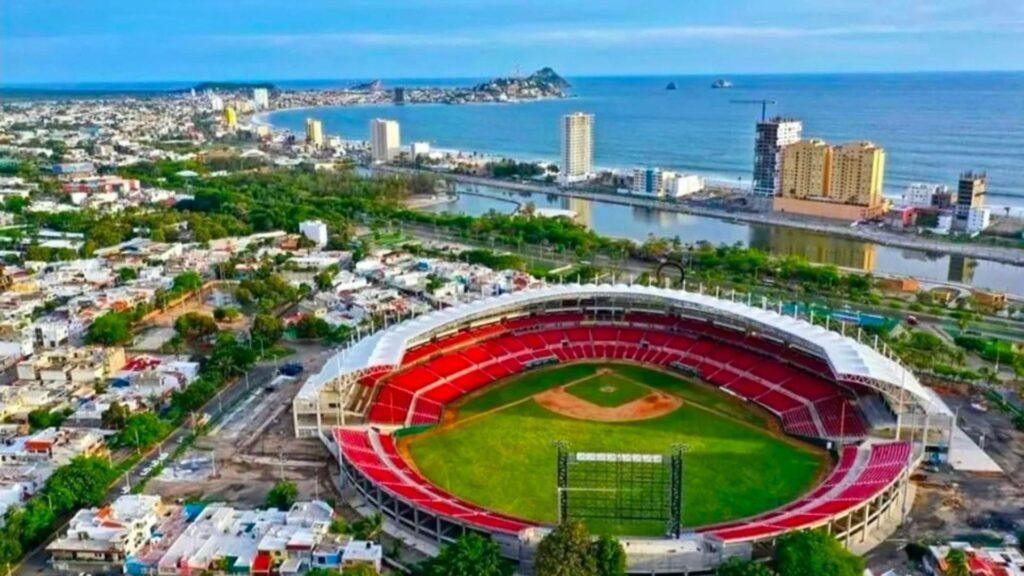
x=641, y=223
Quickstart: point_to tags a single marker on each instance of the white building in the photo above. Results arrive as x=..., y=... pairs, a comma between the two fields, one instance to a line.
x=385, y=140
x=261, y=98
x=978, y=219
x=661, y=183
x=314, y=230
x=922, y=195
x=216, y=103
x=419, y=149
x=680, y=185
x=577, y=147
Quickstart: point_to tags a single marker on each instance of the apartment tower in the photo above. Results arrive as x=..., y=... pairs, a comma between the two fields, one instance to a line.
x=577, y=147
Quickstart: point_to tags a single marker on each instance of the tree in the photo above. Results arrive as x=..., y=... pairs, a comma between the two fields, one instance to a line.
x=367, y=528
x=812, y=553
x=566, y=551
x=266, y=329
x=142, y=429
x=195, y=326
x=282, y=495
x=610, y=557
x=126, y=274
x=226, y=314
x=738, y=567
x=187, y=282
x=310, y=327
x=470, y=555
x=115, y=416
x=41, y=418
x=111, y=329
x=82, y=482
x=956, y=563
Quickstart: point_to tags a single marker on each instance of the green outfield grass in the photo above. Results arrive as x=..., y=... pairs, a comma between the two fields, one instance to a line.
x=505, y=460
x=608, y=390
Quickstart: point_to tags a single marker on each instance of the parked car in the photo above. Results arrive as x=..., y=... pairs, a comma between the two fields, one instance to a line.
x=291, y=369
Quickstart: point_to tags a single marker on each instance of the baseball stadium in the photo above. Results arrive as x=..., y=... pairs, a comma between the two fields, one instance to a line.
x=693, y=428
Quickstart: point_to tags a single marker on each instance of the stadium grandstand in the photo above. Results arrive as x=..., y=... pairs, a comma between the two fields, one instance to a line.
x=837, y=391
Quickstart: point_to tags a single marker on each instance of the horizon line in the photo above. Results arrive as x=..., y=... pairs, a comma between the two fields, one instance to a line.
x=69, y=84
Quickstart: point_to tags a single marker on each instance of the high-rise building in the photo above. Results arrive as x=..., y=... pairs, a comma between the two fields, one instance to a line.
x=216, y=103
x=970, y=193
x=314, y=132
x=385, y=140
x=230, y=117
x=858, y=174
x=843, y=182
x=577, y=147
x=772, y=136
x=261, y=98
x=804, y=169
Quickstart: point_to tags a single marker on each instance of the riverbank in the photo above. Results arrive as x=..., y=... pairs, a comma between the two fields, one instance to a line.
x=1003, y=255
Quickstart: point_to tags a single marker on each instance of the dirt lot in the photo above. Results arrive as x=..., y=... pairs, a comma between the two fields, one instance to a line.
x=254, y=447
x=969, y=507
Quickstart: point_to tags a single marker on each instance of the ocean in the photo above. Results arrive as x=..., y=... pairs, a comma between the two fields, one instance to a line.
x=932, y=125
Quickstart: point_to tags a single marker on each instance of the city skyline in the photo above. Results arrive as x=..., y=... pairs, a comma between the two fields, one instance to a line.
x=256, y=39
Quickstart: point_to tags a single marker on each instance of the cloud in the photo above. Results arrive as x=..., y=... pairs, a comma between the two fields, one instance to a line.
x=599, y=35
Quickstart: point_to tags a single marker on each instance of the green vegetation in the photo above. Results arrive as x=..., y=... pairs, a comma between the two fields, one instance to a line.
x=566, y=551
x=41, y=418
x=195, y=326
x=142, y=430
x=737, y=567
x=110, y=329
x=763, y=471
x=812, y=553
x=226, y=314
x=82, y=482
x=569, y=550
x=608, y=390
x=470, y=555
x=282, y=495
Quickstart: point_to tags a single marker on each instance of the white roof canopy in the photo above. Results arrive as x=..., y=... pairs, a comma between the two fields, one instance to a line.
x=848, y=358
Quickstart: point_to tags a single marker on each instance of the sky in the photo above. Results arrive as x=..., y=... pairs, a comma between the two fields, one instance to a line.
x=79, y=41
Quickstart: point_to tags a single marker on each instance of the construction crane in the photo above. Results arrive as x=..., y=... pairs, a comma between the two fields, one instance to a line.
x=764, y=106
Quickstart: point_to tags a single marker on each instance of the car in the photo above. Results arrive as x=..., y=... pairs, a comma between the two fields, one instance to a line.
x=125, y=489
x=291, y=369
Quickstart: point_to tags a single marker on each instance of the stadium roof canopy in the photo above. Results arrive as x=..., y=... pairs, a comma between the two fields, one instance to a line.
x=849, y=359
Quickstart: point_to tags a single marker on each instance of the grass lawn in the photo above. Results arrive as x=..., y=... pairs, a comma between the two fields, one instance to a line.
x=506, y=461
x=608, y=390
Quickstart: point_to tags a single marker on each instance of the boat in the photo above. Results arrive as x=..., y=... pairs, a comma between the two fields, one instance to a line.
x=722, y=83
x=671, y=86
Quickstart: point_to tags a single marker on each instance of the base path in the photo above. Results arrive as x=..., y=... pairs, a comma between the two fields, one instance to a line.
x=655, y=404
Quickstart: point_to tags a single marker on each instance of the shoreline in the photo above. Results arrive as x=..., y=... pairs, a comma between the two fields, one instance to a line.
x=1004, y=255
x=728, y=181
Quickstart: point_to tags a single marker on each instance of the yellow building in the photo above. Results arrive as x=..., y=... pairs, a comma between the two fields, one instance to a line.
x=314, y=132
x=842, y=182
x=230, y=117
x=858, y=173
x=805, y=169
